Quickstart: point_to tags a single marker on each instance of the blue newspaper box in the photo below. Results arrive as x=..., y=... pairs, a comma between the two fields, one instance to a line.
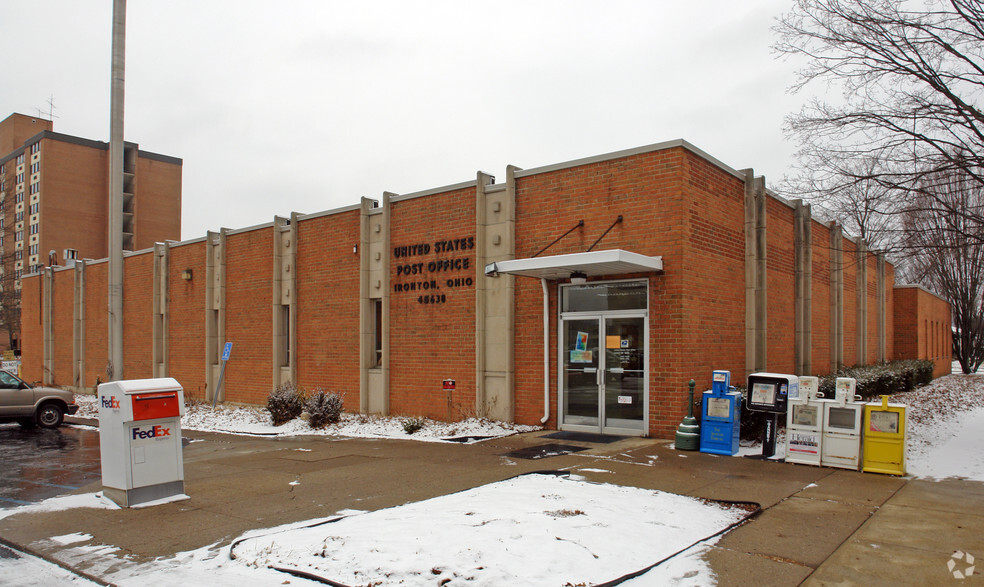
x=720, y=417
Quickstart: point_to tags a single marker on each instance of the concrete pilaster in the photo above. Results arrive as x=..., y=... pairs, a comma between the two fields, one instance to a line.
x=882, y=307
x=47, y=332
x=803, y=267
x=755, y=274
x=78, y=327
x=836, y=297
x=861, y=305
x=215, y=307
x=284, y=306
x=162, y=256
x=495, y=211
x=374, y=294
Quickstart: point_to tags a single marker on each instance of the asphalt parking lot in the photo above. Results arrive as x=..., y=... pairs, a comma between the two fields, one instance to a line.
x=38, y=463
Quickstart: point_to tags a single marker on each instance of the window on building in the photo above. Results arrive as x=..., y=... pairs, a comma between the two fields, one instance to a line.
x=34, y=229
x=285, y=340
x=35, y=148
x=20, y=159
x=20, y=177
x=3, y=168
x=35, y=187
x=377, y=332
x=19, y=235
x=19, y=216
x=34, y=249
x=34, y=207
x=36, y=167
x=18, y=255
x=20, y=197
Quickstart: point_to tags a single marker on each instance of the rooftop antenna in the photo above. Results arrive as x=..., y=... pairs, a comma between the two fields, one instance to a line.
x=50, y=114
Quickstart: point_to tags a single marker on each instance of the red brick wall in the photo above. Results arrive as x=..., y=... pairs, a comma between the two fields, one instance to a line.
x=435, y=340
x=781, y=288
x=157, y=202
x=73, y=200
x=138, y=316
x=820, y=299
x=249, y=315
x=923, y=321
x=186, y=318
x=32, y=351
x=62, y=326
x=328, y=305
x=713, y=283
x=652, y=192
x=96, y=323
x=674, y=204
x=850, y=262
x=872, y=292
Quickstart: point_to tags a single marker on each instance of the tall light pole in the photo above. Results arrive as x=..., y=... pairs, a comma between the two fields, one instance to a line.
x=114, y=369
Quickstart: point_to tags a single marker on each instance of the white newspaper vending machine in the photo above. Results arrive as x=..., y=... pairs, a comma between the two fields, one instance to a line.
x=842, y=427
x=140, y=440
x=804, y=424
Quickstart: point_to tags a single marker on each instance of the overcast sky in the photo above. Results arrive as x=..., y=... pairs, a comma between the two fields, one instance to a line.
x=308, y=105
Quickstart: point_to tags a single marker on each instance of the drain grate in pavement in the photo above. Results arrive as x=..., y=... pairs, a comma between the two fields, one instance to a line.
x=584, y=437
x=467, y=439
x=544, y=451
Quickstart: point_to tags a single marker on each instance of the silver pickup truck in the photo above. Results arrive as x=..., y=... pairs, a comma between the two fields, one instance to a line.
x=33, y=406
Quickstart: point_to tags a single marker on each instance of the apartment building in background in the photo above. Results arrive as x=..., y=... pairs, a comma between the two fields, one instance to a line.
x=54, y=190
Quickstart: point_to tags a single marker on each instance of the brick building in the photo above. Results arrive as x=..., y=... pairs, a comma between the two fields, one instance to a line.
x=923, y=327
x=582, y=295
x=54, y=190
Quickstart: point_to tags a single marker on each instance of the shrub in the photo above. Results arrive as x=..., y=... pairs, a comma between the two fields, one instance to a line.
x=323, y=408
x=285, y=403
x=873, y=381
x=411, y=425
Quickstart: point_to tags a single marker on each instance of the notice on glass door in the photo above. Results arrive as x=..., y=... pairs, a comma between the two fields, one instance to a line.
x=581, y=354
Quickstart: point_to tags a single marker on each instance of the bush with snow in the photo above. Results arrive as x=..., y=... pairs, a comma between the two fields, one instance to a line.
x=323, y=408
x=411, y=425
x=285, y=403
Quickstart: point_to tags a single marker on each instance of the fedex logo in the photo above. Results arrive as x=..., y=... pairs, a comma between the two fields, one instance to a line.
x=154, y=432
x=110, y=402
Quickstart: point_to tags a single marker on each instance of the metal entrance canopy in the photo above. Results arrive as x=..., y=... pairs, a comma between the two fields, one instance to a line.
x=590, y=264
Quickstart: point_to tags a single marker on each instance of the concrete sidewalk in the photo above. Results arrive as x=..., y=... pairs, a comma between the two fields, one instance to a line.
x=818, y=525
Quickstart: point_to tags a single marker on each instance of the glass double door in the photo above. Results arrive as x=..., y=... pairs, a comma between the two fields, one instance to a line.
x=603, y=379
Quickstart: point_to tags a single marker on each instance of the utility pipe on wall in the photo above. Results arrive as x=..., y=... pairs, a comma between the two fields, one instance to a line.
x=546, y=352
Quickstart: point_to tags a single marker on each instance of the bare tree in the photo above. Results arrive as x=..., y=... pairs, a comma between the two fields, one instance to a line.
x=948, y=256
x=864, y=207
x=10, y=307
x=911, y=78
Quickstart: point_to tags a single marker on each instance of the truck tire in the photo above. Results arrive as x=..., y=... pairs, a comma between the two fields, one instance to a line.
x=50, y=415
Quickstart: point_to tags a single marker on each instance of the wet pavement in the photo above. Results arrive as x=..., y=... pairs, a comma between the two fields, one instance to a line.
x=39, y=463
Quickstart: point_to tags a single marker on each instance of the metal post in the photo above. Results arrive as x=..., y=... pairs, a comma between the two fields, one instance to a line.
x=115, y=238
x=688, y=432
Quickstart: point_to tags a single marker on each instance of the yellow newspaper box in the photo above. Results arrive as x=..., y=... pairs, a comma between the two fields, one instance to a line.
x=884, y=438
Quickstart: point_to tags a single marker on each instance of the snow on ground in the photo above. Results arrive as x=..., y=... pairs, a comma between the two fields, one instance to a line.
x=24, y=570
x=946, y=427
x=254, y=420
x=582, y=533
x=593, y=532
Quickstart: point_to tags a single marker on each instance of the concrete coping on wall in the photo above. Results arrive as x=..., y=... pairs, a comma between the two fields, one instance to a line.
x=922, y=287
